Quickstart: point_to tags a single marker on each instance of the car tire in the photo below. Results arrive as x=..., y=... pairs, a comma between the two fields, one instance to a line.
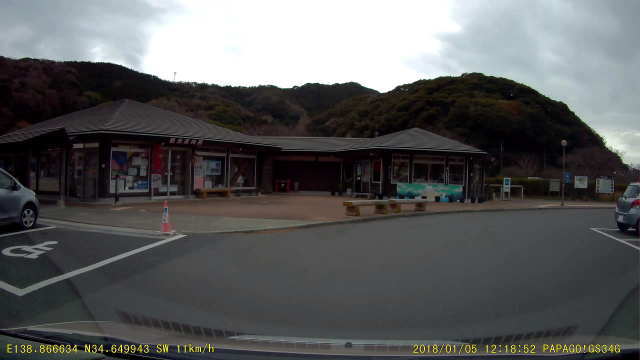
x=28, y=217
x=623, y=227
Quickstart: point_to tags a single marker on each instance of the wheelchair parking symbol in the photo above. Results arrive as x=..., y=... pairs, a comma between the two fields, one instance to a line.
x=29, y=252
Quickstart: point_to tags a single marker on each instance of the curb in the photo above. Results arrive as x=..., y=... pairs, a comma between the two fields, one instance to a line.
x=154, y=233
x=100, y=227
x=388, y=217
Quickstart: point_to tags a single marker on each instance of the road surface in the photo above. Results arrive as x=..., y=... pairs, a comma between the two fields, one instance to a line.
x=447, y=276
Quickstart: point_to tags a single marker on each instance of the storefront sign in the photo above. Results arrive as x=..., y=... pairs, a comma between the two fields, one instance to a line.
x=179, y=141
x=430, y=191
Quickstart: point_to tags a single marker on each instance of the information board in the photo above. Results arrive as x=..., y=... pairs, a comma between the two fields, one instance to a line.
x=604, y=186
x=581, y=182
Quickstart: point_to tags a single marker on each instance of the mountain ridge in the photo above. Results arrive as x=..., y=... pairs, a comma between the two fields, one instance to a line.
x=487, y=112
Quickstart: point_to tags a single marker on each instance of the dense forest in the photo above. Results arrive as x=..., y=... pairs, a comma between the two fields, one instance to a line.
x=33, y=90
x=510, y=120
x=518, y=126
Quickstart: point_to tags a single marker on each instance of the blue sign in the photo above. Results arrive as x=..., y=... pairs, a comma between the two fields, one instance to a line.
x=568, y=178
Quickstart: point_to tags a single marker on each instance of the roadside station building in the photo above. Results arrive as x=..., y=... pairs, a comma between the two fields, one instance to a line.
x=139, y=150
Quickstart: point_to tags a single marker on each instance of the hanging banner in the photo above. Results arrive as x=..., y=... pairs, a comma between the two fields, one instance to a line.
x=430, y=191
x=158, y=161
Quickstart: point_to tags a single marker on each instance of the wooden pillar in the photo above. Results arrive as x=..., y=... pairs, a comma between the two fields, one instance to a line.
x=266, y=172
x=411, y=168
x=188, y=186
x=388, y=189
x=62, y=186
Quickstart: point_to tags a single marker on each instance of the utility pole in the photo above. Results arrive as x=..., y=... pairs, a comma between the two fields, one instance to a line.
x=501, y=151
x=564, y=145
x=174, y=76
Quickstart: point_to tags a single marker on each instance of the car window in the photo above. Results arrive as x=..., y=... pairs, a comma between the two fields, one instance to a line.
x=5, y=181
x=632, y=191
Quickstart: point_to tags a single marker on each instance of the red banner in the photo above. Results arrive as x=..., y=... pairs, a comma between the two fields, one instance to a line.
x=158, y=161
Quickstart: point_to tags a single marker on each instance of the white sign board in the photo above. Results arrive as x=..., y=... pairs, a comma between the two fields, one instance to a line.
x=604, y=186
x=554, y=185
x=506, y=185
x=581, y=182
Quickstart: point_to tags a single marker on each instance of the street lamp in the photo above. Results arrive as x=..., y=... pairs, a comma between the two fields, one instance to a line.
x=564, y=146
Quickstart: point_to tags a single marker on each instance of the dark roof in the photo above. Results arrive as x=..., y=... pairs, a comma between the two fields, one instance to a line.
x=20, y=135
x=132, y=117
x=313, y=144
x=416, y=139
x=410, y=139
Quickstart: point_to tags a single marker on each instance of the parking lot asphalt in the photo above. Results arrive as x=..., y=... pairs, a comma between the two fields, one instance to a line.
x=443, y=276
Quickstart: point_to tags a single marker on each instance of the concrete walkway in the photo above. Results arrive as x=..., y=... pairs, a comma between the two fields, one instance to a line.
x=143, y=219
x=266, y=212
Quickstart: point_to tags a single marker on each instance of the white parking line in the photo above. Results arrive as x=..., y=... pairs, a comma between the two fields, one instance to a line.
x=21, y=292
x=27, y=231
x=599, y=231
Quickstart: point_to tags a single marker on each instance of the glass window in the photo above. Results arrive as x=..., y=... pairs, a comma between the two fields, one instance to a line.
x=129, y=169
x=456, y=174
x=420, y=172
x=208, y=172
x=243, y=172
x=6, y=163
x=377, y=170
x=400, y=170
x=49, y=179
x=436, y=173
x=632, y=191
x=5, y=181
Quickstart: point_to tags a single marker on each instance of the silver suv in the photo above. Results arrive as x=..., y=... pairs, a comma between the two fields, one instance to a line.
x=628, y=208
x=17, y=203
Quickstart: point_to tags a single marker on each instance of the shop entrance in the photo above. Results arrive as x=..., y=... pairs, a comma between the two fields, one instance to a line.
x=362, y=177
x=173, y=179
x=83, y=172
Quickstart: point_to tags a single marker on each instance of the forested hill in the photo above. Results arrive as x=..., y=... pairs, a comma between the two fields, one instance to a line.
x=484, y=111
x=33, y=90
x=487, y=112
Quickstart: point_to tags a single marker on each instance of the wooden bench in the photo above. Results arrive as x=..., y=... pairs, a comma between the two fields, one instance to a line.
x=353, y=206
x=202, y=193
x=396, y=204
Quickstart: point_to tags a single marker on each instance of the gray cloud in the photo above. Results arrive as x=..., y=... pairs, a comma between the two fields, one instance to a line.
x=95, y=30
x=584, y=53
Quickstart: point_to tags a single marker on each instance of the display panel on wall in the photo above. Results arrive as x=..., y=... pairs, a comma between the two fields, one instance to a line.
x=129, y=169
x=208, y=172
x=446, y=193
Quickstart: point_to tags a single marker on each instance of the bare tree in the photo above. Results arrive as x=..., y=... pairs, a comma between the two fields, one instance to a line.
x=528, y=164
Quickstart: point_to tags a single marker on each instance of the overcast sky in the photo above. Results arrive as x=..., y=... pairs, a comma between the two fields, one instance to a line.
x=584, y=53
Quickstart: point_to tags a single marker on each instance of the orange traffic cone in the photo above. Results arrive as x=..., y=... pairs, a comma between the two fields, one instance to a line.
x=166, y=225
